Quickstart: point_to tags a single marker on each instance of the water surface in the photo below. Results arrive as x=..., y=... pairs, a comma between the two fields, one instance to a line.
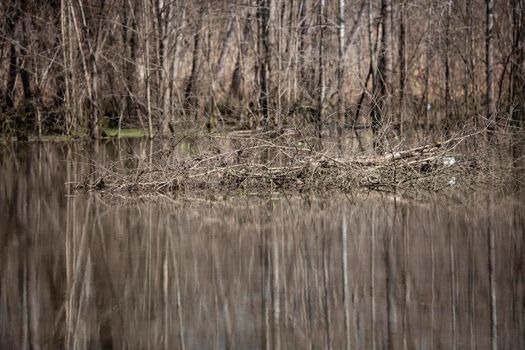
x=87, y=271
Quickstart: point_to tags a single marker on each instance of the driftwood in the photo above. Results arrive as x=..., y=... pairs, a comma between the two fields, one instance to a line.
x=260, y=165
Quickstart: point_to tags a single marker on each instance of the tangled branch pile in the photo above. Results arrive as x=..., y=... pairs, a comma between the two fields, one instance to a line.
x=257, y=166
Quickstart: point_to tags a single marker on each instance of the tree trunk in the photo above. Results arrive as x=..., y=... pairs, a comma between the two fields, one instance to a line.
x=517, y=85
x=428, y=61
x=237, y=82
x=402, y=66
x=12, y=16
x=303, y=33
x=191, y=94
x=448, y=114
x=468, y=60
x=321, y=77
x=147, y=65
x=341, y=69
x=384, y=70
x=489, y=58
x=263, y=15
x=230, y=33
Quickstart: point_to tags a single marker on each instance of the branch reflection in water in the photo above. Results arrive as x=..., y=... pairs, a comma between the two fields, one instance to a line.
x=78, y=271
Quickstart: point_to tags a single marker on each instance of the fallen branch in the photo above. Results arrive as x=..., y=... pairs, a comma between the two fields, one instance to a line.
x=263, y=165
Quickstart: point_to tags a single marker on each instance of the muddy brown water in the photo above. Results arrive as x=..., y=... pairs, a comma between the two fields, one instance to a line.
x=82, y=271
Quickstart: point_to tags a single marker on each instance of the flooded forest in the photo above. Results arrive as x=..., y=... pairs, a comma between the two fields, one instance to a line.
x=262, y=174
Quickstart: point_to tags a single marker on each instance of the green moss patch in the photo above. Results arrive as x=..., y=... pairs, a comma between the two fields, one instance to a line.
x=123, y=133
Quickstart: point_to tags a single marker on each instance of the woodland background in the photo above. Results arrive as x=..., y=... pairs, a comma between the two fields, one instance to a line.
x=75, y=67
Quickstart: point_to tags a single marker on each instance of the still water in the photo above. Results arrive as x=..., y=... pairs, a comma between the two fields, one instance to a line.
x=85, y=271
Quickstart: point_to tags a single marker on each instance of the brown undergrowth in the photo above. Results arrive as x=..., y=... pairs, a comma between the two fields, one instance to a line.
x=261, y=165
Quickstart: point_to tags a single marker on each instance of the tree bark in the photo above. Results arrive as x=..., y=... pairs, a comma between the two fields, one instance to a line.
x=321, y=67
x=191, y=93
x=13, y=14
x=448, y=114
x=402, y=66
x=303, y=33
x=384, y=70
x=263, y=16
x=517, y=74
x=341, y=68
x=489, y=58
x=147, y=64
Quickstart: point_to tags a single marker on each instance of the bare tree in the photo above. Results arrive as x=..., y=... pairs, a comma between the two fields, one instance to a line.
x=402, y=64
x=517, y=74
x=191, y=94
x=303, y=32
x=382, y=106
x=489, y=58
x=341, y=68
x=448, y=110
x=85, y=69
x=321, y=67
x=264, y=64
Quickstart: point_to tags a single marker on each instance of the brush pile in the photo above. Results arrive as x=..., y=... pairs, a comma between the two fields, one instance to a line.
x=249, y=165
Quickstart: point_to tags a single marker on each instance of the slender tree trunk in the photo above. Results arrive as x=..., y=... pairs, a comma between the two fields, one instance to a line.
x=90, y=62
x=354, y=28
x=13, y=14
x=448, y=114
x=147, y=65
x=263, y=16
x=159, y=84
x=237, y=81
x=131, y=63
x=384, y=73
x=468, y=60
x=191, y=94
x=341, y=69
x=402, y=66
x=373, y=70
x=489, y=58
x=517, y=71
x=92, y=120
x=25, y=76
x=9, y=96
x=170, y=47
x=69, y=117
x=321, y=77
x=230, y=34
x=428, y=61
x=303, y=33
